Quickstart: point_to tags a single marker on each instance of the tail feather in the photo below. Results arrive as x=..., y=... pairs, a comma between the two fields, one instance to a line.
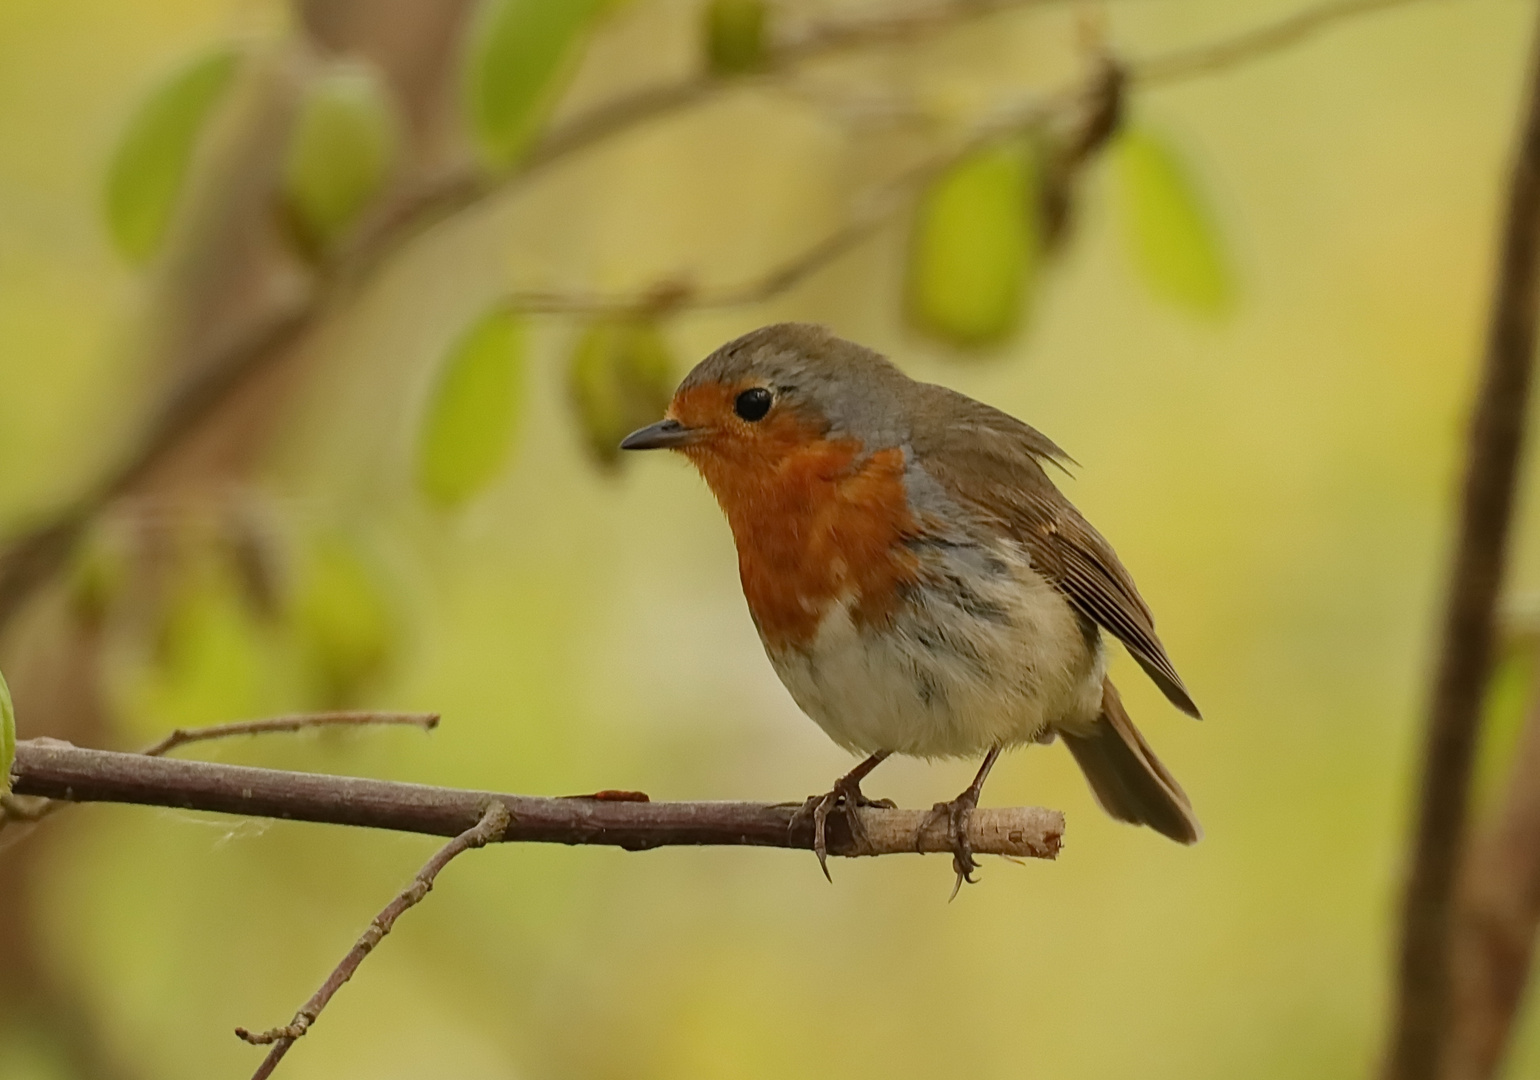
x=1127, y=778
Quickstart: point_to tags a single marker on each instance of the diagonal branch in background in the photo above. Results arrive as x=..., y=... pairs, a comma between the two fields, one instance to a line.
x=1087, y=105
x=58, y=770
x=1420, y=1035
x=36, y=555
x=1259, y=41
x=1496, y=920
x=493, y=823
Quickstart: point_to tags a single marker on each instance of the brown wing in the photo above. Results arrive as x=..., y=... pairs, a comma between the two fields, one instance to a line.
x=991, y=462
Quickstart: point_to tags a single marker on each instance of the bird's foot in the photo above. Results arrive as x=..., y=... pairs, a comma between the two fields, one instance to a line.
x=956, y=814
x=845, y=796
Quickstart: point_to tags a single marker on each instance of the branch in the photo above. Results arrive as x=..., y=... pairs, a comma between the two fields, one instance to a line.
x=1496, y=921
x=57, y=770
x=295, y=722
x=1420, y=1034
x=1259, y=41
x=1088, y=105
x=494, y=821
x=31, y=810
x=820, y=41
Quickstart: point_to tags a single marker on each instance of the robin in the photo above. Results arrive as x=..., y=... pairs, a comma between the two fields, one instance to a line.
x=919, y=583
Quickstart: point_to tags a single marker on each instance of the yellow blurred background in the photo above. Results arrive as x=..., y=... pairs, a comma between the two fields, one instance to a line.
x=1278, y=479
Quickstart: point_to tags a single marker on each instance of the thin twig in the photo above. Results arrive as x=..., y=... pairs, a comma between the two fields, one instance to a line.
x=1422, y=1019
x=871, y=214
x=294, y=722
x=1226, y=53
x=494, y=820
x=33, y=810
x=619, y=819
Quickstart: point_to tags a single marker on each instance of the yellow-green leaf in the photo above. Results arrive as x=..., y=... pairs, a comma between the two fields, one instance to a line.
x=212, y=660
x=975, y=247
x=473, y=412
x=735, y=36
x=149, y=168
x=7, y=736
x=98, y=574
x=521, y=54
x=621, y=378
x=1170, y=231
x=1510, y=693
x=344, y=619
x=339, y=155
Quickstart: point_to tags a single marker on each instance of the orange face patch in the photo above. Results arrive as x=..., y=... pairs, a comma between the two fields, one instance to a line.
x=814, y=522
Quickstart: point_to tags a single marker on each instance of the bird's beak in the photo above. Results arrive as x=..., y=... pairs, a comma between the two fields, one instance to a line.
x=667, y=434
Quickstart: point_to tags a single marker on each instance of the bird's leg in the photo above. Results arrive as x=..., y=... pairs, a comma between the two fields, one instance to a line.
x=957, y=812
x=846, y=794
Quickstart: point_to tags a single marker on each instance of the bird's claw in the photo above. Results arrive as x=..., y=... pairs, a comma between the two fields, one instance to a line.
x=956, y=813
x=847, y=797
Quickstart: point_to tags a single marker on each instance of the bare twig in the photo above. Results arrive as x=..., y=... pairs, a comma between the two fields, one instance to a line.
x=1259, y=41
x=295, y=722
x=494, y=820
x=1498, y=913
x=893, y=24
x=36, y=809
x=1421, y=1027
x=61, y=771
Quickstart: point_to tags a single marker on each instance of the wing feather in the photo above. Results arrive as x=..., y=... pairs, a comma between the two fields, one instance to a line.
x=992, y=463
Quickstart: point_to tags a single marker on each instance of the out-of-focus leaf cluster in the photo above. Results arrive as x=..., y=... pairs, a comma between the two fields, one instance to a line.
x=218, y=618
x=986, y=228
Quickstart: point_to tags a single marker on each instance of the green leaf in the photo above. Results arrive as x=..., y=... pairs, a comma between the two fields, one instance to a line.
x=521, y=53
x=344, y=619
x=212, y=657
x=975, y=247
x=149, y=168
x=735, y=36
x=339, y=155
x=1169, y=228
x=7, y=736
x=621, y=377
x=98, y=574
x=1506, y=706
x=474, y=410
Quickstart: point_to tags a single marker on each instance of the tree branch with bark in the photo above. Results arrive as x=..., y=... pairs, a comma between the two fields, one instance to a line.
x=626, y=819
x=1421, y=1038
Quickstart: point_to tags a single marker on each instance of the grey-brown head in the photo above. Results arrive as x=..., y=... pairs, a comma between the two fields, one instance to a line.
x=783, y=384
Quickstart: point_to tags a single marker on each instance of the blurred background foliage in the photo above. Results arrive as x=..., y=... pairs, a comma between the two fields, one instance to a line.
x=1250, y=311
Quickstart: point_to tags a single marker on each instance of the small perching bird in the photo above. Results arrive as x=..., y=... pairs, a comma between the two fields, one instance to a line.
x=919, y=583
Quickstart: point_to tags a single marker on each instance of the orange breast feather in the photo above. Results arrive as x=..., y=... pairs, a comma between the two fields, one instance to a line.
x=815, y=523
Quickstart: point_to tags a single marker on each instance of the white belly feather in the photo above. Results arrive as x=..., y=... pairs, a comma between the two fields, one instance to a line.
x=985, y=653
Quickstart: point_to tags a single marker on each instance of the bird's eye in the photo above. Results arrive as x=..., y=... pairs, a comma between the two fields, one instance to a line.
x=753, y=403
